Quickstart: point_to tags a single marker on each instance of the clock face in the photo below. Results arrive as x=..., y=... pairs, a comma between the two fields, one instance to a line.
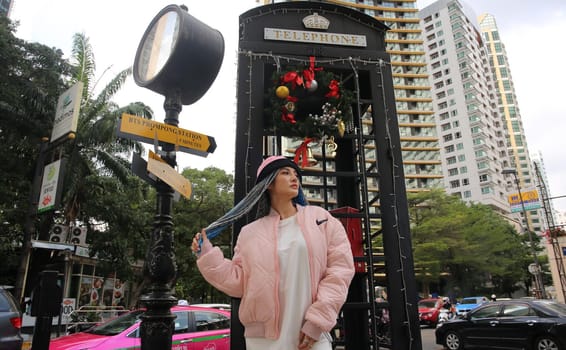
x=158, y=45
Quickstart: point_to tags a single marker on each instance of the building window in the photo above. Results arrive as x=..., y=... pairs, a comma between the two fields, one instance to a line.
x=465, y=182
x=453, y=172
x=454, y=183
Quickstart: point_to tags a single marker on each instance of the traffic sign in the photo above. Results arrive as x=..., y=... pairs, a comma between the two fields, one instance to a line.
x=146, y=130
x=170, y=176
x=534, y=268
x=67, y=308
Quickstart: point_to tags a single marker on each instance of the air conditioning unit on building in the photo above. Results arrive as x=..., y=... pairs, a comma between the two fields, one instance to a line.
x=78, y=235
x=58, y=233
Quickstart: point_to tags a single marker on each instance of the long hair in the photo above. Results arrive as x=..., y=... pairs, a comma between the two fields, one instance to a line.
x=257, y=195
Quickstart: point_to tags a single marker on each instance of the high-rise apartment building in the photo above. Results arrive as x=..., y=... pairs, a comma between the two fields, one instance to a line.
x=6, y=7
x=470, y=128
x=549, y=214
x=509, y=111
x=417, y=128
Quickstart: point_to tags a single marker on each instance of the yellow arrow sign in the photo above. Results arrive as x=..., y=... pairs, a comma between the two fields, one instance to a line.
x=146, y=130
x=167, y=174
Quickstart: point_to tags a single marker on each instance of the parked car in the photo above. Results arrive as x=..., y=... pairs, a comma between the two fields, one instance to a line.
x=196, y=328
x=428, y=311
x=468, y=304
x=10, y=321
x=510, y=324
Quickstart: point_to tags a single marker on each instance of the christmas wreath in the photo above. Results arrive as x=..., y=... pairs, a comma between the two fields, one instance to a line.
x=309, y=102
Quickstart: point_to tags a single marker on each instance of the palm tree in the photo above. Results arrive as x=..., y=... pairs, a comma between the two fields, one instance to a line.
x=96, y=151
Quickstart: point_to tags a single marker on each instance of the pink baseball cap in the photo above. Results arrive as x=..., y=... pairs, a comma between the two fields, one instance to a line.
x=272, y=163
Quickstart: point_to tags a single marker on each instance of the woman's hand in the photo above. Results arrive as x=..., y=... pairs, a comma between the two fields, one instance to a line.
x=305, y=342
x=196, y=246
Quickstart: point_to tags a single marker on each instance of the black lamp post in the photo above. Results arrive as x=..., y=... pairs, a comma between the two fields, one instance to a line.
x=178, y=57
x=534, y=268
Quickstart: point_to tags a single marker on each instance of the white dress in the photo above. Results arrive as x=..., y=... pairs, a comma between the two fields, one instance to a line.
x=294, y=291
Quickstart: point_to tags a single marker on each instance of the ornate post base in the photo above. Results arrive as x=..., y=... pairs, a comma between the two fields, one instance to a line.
x=157, y=324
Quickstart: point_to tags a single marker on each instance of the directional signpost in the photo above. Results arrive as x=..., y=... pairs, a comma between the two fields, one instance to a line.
x=181, y=66
x=150, y=131
x=146, y=130
x=167, y=174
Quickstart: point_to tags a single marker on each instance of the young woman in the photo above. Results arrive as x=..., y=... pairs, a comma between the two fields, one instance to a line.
x=291, y=267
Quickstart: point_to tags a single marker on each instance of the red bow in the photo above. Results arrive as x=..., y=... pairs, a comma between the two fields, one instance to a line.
x=302, y=153
x=334, y=88
x=292, y=77
x=308, y=74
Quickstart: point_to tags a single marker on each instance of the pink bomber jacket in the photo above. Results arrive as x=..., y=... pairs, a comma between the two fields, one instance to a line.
x=253, y=272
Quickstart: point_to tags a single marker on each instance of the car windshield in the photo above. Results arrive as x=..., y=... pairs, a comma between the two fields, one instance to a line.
x=117, y=325
x=427, y=303
x=7, y=301
x=469, y=301
x=552, y=307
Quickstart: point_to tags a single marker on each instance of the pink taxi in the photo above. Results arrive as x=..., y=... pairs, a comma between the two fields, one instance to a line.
x=196, y=328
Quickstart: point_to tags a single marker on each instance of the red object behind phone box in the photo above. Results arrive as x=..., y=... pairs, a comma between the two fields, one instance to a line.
x=353, y=228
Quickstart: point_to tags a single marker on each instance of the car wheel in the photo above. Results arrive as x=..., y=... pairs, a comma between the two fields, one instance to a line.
x=452, y=341
x=546, y=342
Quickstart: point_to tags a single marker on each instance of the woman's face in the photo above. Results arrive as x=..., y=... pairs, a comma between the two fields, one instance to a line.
x=286, y=184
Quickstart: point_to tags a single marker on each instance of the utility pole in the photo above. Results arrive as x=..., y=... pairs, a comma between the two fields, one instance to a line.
x=552, y=232
x=29, y=226
x=534, y=268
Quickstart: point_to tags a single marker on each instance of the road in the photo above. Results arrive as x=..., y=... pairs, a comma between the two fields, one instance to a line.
x=428, y=340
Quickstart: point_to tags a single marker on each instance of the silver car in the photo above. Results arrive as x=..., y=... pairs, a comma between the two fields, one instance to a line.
x=10, y=322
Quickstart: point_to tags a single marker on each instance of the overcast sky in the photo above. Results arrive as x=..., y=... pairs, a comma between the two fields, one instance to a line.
x=533, y=33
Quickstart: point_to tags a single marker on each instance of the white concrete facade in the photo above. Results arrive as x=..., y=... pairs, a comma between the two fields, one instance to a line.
x=469, y=126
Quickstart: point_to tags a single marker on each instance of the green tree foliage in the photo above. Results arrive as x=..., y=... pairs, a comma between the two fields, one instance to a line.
x=99, y=189
x=32, y=76
x=465, y=247
x=212, y=197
